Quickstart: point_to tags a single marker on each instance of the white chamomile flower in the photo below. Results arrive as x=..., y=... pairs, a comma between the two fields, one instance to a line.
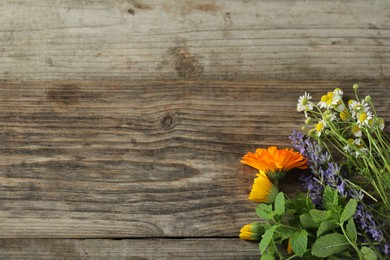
x=361, y=151
x=357, y=141
x=304, y=103
x=356, y=130
x=352, y=105
x=326, y=100
x=348, y=147
x=329, y=117
x=363, y=118
x=338, y=93
x=340, y=107
x=356, y=145
x=330, y=100
x=358, y=107
x=345, y=115
x=320, y=126
x=381, y=123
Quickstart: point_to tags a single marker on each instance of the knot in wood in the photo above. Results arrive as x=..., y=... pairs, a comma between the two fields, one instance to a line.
x=131, y=11
x=167, y=121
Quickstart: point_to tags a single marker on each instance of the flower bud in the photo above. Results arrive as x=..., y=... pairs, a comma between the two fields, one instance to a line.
x=289, y=247
x=355, y=86
x=252, y=231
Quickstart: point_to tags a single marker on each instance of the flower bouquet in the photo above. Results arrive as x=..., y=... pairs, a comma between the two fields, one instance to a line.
x=344, y=160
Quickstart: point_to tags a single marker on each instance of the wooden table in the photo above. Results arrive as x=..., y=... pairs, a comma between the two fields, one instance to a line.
x=122, y=123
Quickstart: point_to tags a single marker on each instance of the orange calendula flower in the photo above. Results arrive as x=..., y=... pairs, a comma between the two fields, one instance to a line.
x=252, y=231
x=289, y=247
x=275, y=162
x=263, y=190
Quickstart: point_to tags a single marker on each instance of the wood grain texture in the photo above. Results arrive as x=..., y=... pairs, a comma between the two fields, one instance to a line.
x=141, y=159
x=194, y=39
x=133, y=249
x=127, y=119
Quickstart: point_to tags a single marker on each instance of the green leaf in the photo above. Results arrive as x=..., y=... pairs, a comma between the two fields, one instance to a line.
x=326, y=226
x=299, y=242
x=329, y=244
x=368, y=253
x=267, y=257
x=284, y=232
x=349, y=210
x=309, y=202
x=330, y=198
x=307, y=221
x=320, y=215
x=266, y=239
x=351, y=230
x=264, y=211
x=280, y=207
x=308, y=256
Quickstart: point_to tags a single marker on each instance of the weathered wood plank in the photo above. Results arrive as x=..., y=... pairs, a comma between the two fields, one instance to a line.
x=141, y=159
x=194, y=39
x=128, y=249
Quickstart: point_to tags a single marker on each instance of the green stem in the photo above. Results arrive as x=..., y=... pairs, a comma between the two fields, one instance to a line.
x=353, y=244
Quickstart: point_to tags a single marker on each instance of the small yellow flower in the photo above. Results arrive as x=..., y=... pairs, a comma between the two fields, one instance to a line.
x=252, y=231
x=263, y=190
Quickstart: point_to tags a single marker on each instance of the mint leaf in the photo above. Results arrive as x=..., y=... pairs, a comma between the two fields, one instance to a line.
x=349, y=210
x=307, y=221
x=329, y=244
x=368, y=253
x=351, y=230
x=284, y=232
x=320, y=215
x=299, y=242
x=267, y=257
x=330, y=198
x=266, y=238
x=326, y=226
x=264, y=211
x=309, y=203
x=280, y=207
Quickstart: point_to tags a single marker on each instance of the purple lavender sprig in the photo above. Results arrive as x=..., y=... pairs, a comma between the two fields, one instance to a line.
x=326, y=172
x=323, y=170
